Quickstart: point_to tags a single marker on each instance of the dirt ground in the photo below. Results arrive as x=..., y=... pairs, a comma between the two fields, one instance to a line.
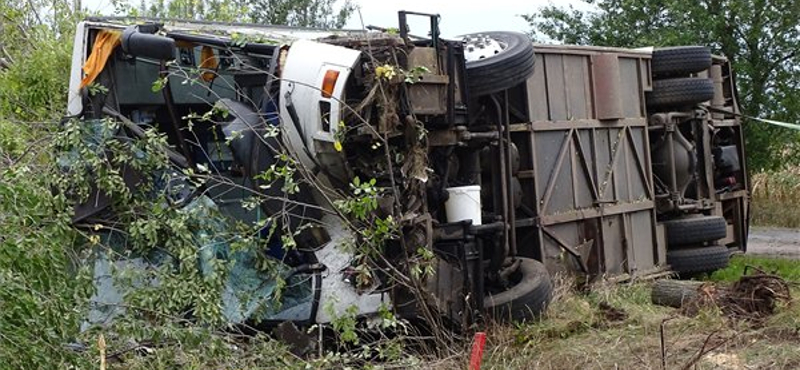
x=774, y=242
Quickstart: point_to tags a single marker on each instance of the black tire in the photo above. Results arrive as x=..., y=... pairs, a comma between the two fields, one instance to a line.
x=527, y=299
x=695, y=230
x=698, y=260
x=679, y=92
x=504, y=70
x=674, y=293
x=680, y=60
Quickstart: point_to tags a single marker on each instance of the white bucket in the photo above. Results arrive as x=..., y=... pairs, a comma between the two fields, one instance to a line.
x=464, y=203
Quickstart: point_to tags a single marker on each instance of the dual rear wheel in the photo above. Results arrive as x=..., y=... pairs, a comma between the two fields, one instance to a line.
x=673, y=86
x=692, y=244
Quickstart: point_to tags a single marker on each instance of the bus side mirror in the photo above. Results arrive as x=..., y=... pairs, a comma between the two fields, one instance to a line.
x=138, y=43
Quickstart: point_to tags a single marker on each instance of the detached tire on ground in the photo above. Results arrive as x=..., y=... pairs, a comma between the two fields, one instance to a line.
x=497, y=69
x=680, y=60
x=692, y=261
x=685, y=231
x=679, y=92
x=527, y=299
x=674, y=293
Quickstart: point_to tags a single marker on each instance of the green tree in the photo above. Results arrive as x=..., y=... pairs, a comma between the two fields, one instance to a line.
x=761, y=38
x=302, y=13
x=35, y=41
x=39, y=289
x=213, y=10
x=298, y=13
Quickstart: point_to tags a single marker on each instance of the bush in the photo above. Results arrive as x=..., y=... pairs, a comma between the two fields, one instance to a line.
x=35, y=86
x=39, y=291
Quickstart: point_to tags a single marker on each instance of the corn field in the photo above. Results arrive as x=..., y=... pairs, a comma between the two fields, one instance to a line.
x=776, y=195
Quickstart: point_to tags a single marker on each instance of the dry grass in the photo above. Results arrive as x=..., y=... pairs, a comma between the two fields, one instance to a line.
x=581, y=332
x=775, y=198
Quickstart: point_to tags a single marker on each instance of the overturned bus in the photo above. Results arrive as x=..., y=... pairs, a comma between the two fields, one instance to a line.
x=497, y=161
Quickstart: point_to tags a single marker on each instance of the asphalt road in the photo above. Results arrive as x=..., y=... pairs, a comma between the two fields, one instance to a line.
x=774, y=242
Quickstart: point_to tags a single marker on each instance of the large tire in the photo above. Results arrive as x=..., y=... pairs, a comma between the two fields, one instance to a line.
x=695, y=230
x=698, y=260
x=680, y=60
x=503, y=70
x=674, y=293
x=527, y=299
x=679, y=92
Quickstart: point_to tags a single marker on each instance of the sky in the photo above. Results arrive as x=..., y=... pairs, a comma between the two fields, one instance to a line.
x=458, y=17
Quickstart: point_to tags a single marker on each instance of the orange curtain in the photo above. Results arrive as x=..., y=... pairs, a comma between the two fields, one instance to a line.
x=209, y=62
x=105, y=43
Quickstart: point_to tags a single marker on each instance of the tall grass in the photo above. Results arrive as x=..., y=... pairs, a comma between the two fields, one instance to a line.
x=775, y=198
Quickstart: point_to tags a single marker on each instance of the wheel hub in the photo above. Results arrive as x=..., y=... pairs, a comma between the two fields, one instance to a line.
x=479, y=46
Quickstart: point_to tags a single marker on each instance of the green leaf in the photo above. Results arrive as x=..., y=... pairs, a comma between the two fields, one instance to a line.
x=159, y=84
